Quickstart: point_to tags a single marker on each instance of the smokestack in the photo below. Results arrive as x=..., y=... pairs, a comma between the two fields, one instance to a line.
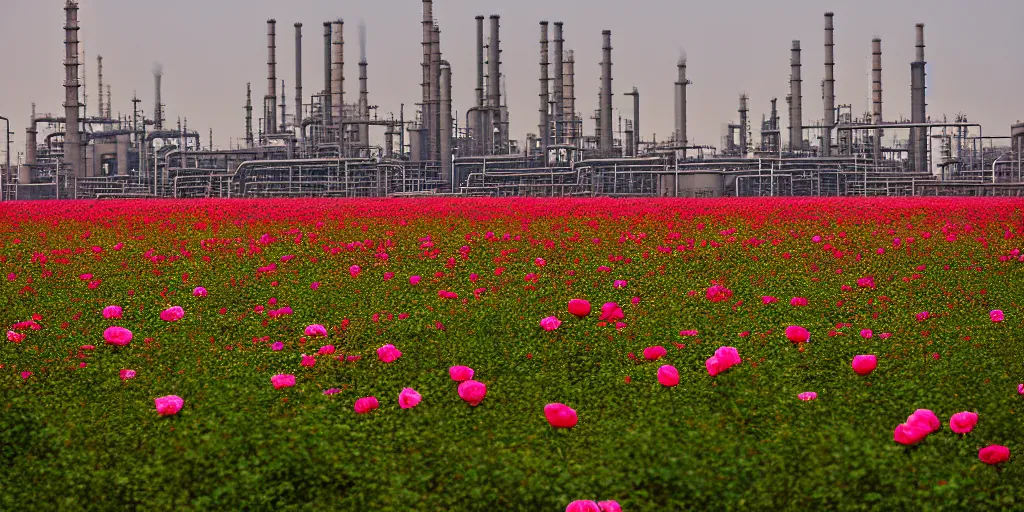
x=271, y=100
x=743, y=125
x=110, y=111
x=426, y=108
x=830, y=86
x=634, y=147
x=568, y=118
x=364, y=108
x=248, y=115
x=494, y=82
x=30, y=140
x=681, y=83
x=284, y=109
x=876, y=95
x=446, y=126
x=796, y=110
x=158, y=107
x=544, y=128
x=298, y=78
x=99, y=80
x=918, y=109
x=325, y=103
x=338, y=81
x=559, y=85
x=607, y=136
x=478, y=120
x=435, y=94
x=72, y=136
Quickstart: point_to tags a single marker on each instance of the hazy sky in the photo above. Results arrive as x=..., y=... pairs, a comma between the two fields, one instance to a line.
x=211, y=48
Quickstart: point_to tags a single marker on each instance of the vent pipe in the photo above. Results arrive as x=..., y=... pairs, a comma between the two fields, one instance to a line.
x=830, y=86
x=325, y=103
x=494, y=84
x=72, y=128
x=364, y=108
x=99, y=80
x=560, y=107
x=743, y=125
x=271, y=99
x=634, y=147
x=426, y=106
x=248, y=115
x=479, y=116
x=544, y=128
x=30, y=140
x=435, y=94
x=158, y=107
x=681, y=84
x=569, y=130
x=446, y=126
x=607, y=136
x=918, y=110
x=876, y=96
x=796, y=110
x=298, y=80
x=338, y=81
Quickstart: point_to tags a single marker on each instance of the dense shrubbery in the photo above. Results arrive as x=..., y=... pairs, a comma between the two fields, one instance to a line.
x=909, y=281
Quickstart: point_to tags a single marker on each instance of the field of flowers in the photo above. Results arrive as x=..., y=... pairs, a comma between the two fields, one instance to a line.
x=487, y=354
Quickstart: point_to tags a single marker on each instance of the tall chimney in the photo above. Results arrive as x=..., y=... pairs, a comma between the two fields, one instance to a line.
x=446, y=126
x=30, y=140
x=796, y=110
x=158, y=107
x=110, y=111
x=364, y=108
x=681, y=83
x=494, y=83
x=876, y=95
x=284, y=109
x=544, y=128
x=428, y=86
x=435, y=93
x=918, y=110
x=271, y=98
x=298, y=78
x=325, y=103
x=634, y=148
x=830, y=86
x=607, y=136
x=560, y=129
x=479, y=115
x=743, y=125
x=338, y=81
x=568, y=118
x=248, y=116
x=72, y=137
x=99, y=80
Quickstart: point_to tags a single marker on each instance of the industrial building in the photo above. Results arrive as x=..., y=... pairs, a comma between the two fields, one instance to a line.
x=321, y=145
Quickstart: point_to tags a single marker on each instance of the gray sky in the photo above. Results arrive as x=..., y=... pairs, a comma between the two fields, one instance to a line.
x=211, y=48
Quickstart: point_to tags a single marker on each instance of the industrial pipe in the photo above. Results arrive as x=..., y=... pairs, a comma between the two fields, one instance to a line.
x=270, y=118
x=796, y=111
x=446, y=126
x=494, y=84
x=72, y=141
x=830, y=86
x=918, y=105
x=338, y=81
x=607, y=136
x=560, y=77
x=298, y=77
x=544, y=126
x=325, y=104
x=680, y=109
x=876, y=96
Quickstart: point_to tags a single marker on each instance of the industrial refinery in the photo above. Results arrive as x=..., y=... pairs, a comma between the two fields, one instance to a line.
x=317, y=143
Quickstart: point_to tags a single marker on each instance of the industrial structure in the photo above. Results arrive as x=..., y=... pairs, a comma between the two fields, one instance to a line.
x=322, y=145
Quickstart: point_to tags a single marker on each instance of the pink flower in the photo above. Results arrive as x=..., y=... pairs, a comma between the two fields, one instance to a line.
x=168, y=405
x=583, y=506
x=994, y=454
x=332, y=391
x=25, y=375
x=635, y=300
x=767, y=299
x=925, y=419
x=864, y=364
x=326, y=350
x=619, y=284
x=172, y=314
x=308, y=361
x=728, y=357
x=472, y=392
x=691, y=332
x=907, y=434
x=718, y=293
x=611, y=312
x=668, y=376
x=1020, y=389
x=798, y=301
x=111, y=312
x=460, y=373
x=579, y=308
x=388, y=353
x=314, y=285
x=963, y=422
x=15, y=337
x=354, y=270
x=866, y=333
x=609, y=506
x=922, y=316
x=798, y=334
x=996, y=315
x=127, y=374
x=276, y=346
x=415, y=280
x=199, y=291
x=550, y=323
x=366, y=404
x=807, y=396
x=885, y=335
x=283, y=380
x=117, y=336
x=540, y=262
x=654, y=353
x=315, y=330
x=560, y=415
x=408, y=398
